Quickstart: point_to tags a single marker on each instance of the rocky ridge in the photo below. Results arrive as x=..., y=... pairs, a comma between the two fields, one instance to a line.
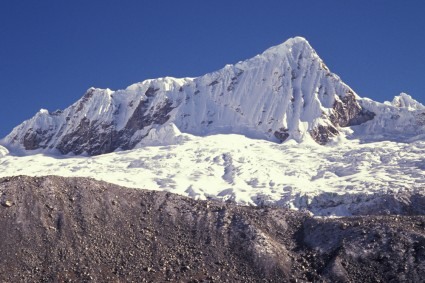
x=58, y=229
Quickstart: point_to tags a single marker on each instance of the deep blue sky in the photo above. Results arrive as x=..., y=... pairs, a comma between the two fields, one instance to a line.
x=53, y=50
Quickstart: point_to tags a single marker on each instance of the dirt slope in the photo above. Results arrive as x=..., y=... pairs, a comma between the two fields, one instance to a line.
x=56, y=229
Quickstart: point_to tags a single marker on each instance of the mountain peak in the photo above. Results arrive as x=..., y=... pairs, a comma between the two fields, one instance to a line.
x=287, y=92
x=43, y=111
x=406, y=101
x=289, y=46
x=297, y=40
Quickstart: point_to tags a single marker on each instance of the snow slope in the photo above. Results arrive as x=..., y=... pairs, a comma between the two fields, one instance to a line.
x=3, y=151
x=343, y=179
x=285, y=92
x=402, y=120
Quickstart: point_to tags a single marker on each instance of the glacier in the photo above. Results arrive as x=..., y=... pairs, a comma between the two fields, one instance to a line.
x=346, y=178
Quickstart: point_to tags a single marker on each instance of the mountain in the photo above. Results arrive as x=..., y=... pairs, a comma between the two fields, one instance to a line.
x=287, y=92
x=78, y=230
x=277, y=129
x=275, y=134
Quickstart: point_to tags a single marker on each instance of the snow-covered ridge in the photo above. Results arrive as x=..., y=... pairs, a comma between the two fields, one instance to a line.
x=287, y=92
x=406, y=101
x=402, y=120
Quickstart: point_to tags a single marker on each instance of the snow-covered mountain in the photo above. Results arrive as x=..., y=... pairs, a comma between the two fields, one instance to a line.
x=279, y=129
x=287, y=92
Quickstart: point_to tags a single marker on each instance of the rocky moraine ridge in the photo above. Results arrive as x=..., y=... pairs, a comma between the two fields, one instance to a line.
x=58, y=229
x=287, y=92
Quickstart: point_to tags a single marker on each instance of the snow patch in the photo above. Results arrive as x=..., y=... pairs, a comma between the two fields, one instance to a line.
x=3, y=151
x=167, y=134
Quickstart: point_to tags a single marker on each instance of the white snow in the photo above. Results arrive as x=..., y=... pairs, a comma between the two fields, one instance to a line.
x=3, y=151
x=391, y=122
x=406, y=101
x=43, y=111
x=248, y=171
x=166, y=134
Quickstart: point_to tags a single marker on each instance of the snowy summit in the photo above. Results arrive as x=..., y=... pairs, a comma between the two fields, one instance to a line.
x=285, y=93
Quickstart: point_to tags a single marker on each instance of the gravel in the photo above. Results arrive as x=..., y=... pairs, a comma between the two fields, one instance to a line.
x=56, y=229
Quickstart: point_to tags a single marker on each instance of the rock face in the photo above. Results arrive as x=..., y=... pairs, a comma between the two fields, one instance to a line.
x=78, y=230
x=287, y=92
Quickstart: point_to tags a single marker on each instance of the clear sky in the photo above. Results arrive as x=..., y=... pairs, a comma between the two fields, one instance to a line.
x=52, y=51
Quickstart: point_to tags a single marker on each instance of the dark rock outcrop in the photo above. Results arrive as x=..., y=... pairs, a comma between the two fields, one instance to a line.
x=78, y=230
x=322, y=134
x=346, y=112
x=96, y=137
x=281, y=135
x=345, y=109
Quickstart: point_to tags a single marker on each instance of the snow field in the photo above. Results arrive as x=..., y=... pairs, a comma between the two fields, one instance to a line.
x=246, y=171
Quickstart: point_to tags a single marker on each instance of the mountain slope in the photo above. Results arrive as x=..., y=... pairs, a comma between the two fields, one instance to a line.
x=286, y=92
x=78, y=230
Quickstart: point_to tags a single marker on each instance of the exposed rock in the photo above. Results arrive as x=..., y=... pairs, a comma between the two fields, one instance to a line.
x=96, y=137
x=345, y=109
x=403, y=202
x=346, y=112
x=362, y=117
x=159, y=237
x=322, y=134
x=282, y=134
